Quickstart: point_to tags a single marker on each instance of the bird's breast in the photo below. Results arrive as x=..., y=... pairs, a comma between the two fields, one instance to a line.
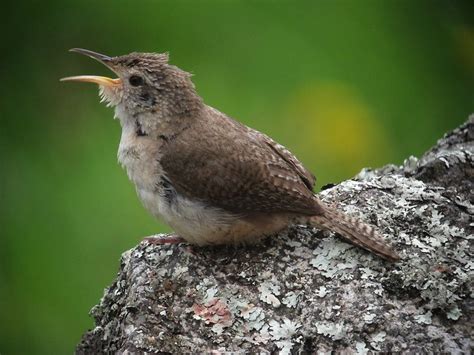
x=139, y=156
x=194, y=220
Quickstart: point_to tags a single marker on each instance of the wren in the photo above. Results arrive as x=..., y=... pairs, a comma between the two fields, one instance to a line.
x=211, y=178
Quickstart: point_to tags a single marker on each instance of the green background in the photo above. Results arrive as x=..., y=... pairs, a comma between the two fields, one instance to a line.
x=343, y=84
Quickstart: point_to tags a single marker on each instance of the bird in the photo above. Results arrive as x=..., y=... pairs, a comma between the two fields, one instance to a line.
x=212, y=179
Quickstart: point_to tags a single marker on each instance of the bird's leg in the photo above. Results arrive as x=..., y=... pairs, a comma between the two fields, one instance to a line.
x=164, y=239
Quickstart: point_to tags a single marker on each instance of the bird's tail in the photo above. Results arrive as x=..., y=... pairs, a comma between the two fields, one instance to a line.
x=355, y=231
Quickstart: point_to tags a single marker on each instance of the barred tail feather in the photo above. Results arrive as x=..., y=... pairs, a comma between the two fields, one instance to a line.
x=355, y=231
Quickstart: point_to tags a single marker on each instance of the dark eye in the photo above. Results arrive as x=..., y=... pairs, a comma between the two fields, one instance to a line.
x=135, y=80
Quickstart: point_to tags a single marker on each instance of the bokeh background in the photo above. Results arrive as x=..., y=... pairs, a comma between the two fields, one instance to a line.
x=343, y=84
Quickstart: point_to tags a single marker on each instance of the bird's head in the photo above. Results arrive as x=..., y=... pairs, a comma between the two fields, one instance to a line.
x=146, y=83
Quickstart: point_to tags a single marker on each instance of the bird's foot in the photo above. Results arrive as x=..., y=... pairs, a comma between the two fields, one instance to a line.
x=164, y=239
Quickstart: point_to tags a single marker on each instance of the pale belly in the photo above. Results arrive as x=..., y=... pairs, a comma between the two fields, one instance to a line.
x=204, y=225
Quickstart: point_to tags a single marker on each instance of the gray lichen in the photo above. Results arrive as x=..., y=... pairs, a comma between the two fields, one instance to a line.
x=307, y=291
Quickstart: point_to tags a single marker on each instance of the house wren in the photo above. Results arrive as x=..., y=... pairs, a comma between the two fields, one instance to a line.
x=211, y=178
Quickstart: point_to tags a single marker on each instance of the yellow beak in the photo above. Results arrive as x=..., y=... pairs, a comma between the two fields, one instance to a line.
x=101, y=80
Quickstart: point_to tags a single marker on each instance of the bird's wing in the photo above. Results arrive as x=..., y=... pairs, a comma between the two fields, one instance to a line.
x=233, y=167
x=305, y=175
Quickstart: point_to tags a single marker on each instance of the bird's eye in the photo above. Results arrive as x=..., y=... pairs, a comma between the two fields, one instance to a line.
x=135, y=80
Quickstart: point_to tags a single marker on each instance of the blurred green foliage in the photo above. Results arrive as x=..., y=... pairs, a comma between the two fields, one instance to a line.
x=343, y=84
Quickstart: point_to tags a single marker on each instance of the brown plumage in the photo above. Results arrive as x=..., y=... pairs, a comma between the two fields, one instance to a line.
x=213, y=179
x=236, y=168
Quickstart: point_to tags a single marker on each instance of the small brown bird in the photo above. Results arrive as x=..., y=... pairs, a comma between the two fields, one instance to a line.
x=211, y=178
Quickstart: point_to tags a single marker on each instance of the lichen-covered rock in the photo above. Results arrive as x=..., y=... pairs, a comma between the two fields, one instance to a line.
x=304, y=290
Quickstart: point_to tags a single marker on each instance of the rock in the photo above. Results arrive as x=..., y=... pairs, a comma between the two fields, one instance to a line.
x=306, y=291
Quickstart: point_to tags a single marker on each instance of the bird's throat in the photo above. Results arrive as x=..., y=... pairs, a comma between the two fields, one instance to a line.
x=110, y=95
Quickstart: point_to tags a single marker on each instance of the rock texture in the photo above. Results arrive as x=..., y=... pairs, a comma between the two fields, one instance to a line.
x=304, y=290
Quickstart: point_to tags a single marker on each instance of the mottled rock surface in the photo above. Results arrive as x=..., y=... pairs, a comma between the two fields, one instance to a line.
x=305, y=290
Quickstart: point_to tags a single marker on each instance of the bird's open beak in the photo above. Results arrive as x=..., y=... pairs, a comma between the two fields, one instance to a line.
x=101, y=80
